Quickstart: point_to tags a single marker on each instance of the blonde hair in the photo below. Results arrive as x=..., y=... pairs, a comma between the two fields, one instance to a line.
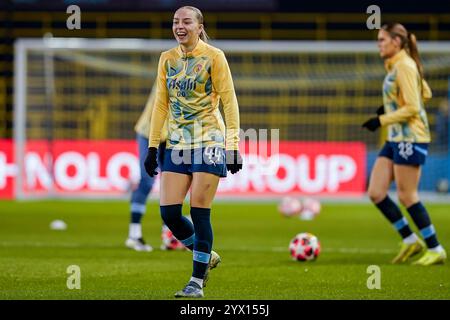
x=199, y=16
x=408, y=41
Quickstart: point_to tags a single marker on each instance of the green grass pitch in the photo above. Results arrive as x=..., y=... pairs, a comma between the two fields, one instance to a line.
x=251, y=238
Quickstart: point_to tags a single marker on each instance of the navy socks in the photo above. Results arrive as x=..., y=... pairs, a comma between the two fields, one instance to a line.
x=200, y=241
x=422, y=220
x=136, y=217
x=392, y=212
x=203, y=240
x=180, y=226
x=419, y=215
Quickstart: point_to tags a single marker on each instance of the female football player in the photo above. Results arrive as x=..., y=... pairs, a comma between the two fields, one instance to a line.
x=401, y=158
x=192, y=78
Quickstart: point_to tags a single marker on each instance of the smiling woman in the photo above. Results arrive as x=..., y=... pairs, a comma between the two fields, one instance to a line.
x=192, y=79
x=186, y=30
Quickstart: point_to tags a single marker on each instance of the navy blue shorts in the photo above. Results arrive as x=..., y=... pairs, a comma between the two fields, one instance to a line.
x=408, y=153
x=208, y=159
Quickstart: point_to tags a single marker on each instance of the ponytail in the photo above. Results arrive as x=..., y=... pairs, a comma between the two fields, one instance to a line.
x=204, y=36
x=408, y=42
x=414, y=52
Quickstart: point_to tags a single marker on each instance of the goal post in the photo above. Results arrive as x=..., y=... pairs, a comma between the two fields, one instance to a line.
x=88, y=93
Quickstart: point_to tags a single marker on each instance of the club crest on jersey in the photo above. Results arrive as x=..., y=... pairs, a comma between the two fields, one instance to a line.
x=198, y=68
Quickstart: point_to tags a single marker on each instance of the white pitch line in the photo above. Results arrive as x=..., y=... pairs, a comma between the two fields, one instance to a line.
x=332, y=250
x=53, y=245
x=248, y=249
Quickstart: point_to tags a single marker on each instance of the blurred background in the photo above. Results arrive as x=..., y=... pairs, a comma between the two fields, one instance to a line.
x=307, y=68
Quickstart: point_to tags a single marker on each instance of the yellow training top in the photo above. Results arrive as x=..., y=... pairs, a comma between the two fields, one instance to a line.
x=142, y=126
x=403, y=98
x=189, y=87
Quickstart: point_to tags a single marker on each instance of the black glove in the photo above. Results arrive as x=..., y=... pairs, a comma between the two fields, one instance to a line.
x=380, y=110
x=372, y=124
x=150, y=162
x=234, y=161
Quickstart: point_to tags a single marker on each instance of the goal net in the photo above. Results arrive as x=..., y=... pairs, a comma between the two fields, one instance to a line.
x=75, y=97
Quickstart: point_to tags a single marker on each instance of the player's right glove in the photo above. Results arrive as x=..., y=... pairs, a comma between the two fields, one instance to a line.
x=380, y=110
x=150, y=162
x=372, y=124
x=234, y=161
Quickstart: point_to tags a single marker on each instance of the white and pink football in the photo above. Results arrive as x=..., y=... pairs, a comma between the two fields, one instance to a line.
x=169, y=242
x=290, y=206
x=310, y=208
x=304, y=247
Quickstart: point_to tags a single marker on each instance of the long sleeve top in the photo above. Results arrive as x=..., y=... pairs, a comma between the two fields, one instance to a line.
x=404, y=94
x=189, y=88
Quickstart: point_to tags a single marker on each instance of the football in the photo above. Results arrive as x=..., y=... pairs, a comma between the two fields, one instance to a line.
x=304, y=247
x=169, y=242
x=310, y=209
x=290, y=206
x=58, y=225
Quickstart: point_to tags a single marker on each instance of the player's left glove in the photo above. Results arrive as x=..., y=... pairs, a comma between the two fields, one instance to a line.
x=234, y=161
x=372, y=124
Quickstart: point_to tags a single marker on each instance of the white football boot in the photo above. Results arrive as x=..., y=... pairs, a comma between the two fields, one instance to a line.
x=138, y=245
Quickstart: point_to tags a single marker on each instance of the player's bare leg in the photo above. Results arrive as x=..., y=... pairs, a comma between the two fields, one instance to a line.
x=381, y=178
x=174, y=187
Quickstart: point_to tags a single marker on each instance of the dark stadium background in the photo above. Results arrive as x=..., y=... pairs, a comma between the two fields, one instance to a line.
x=33, y=18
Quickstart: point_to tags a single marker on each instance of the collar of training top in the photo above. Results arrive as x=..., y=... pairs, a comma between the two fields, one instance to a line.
x=199, y=48
x=389, y=63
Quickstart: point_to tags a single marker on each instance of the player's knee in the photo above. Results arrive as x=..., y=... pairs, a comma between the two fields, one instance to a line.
x=407, y=199
x=376, y=195
x=200, y=200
